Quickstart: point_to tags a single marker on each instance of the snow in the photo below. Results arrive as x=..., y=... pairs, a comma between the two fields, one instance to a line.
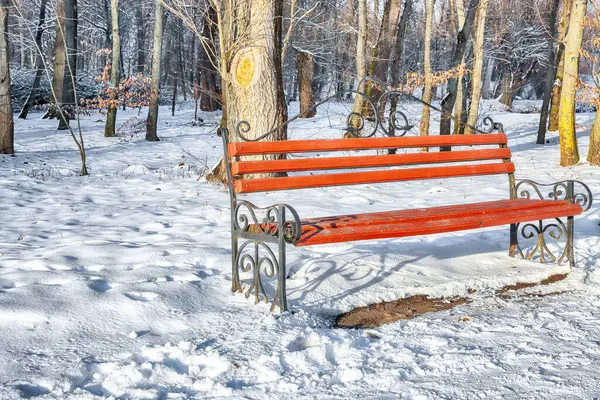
x=118, y=284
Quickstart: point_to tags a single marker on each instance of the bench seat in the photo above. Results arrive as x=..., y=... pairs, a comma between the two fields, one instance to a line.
x=425, y=221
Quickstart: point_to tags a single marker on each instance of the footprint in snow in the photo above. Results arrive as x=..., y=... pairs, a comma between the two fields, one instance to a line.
x=99, y=285
x=142, y=296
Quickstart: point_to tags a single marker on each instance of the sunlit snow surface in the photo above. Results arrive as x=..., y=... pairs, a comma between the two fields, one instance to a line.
x=118, y=284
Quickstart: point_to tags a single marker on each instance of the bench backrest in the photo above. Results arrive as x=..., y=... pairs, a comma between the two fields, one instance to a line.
x=478, y=160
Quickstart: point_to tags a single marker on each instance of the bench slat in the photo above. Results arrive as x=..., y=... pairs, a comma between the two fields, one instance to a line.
x=308, y=146
x=357, y=178
x=423, y=214
x=315, y=164
x=433, y=226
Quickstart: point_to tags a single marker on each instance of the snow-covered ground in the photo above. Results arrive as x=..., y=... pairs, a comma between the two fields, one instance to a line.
x=118, y=284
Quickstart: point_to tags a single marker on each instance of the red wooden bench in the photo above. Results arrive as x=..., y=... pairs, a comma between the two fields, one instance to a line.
x=252, y=165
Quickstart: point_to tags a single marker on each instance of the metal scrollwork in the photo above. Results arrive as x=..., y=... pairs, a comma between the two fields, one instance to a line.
x=574, y=191
x=245, y=220
x=257, y=259
x=374, y=110
x=557, y=231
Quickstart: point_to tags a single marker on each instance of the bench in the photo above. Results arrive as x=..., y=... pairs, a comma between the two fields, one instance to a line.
x=255, y=167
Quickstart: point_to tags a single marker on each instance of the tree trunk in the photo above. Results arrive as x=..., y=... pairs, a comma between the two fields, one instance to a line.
x=66, y=37
x=488, y=91
x=398, y=53
x=209, y=97
x=459, y=51
x=550, y=73
x=563, y=27
x=253, y=81
x=141, y=37
x=569, y=153
x=7, y=129
x=115, y=72
x=427, y=90
x=39, y=62
x=152, y=121
x=361, y=57
x=477, y=67
x=382, y=53
x=594, y=154
x=460, y=94
x=306, y=69
x=507, y=87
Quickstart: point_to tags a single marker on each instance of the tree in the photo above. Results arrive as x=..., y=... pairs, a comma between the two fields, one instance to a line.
x=459, y=51
x=427, y=90
x=461, y=96
x=7, y=129
x=551, y=71
x=115, y=74
x=382, y=53
x=39, y=62
x=152, y=121
x=563, y=27
x=398, y=54
x=306, y=69
x=65, y=60
x=594, y=154
x=477, y=66
x=361, y=57
x=569, y=152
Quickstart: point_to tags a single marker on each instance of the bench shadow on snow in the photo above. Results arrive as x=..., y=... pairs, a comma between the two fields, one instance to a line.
x=394, y=256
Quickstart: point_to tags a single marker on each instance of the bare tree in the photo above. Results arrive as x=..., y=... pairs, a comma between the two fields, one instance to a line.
x=569, y=152
x=39, y=63
x=115, y=73
x=477, y=66
x=7, y=128
x=427, y=90
x=563, y=28
x=152, y=121
x=459, y=51
x=306, y=69
x=551, y=71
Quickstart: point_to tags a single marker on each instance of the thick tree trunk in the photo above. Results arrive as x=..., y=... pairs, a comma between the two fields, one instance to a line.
x=550, y=73
x=427, y=90
x=569, y=152
x=115, y=72
x=459, y=51
x=141, y=37
x=306, y=69
x=253, y=81
x=594, y=154
x=563, y=27
x=7, y=128
x=39, y=62
x=396, y=62
x=152, y=121
x=477, y=67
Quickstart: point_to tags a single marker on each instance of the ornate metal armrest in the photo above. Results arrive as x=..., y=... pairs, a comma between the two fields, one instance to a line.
x=273, y=225
x=573, y=191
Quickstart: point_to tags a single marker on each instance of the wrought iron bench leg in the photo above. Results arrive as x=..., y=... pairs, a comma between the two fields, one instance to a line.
x=557, y=230
x=258, y=259
x=570, y=241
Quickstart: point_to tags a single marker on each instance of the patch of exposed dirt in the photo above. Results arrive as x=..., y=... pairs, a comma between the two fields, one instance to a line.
x=548, y=281
x=375, y=315
x=379, y=314
x=508, y=291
